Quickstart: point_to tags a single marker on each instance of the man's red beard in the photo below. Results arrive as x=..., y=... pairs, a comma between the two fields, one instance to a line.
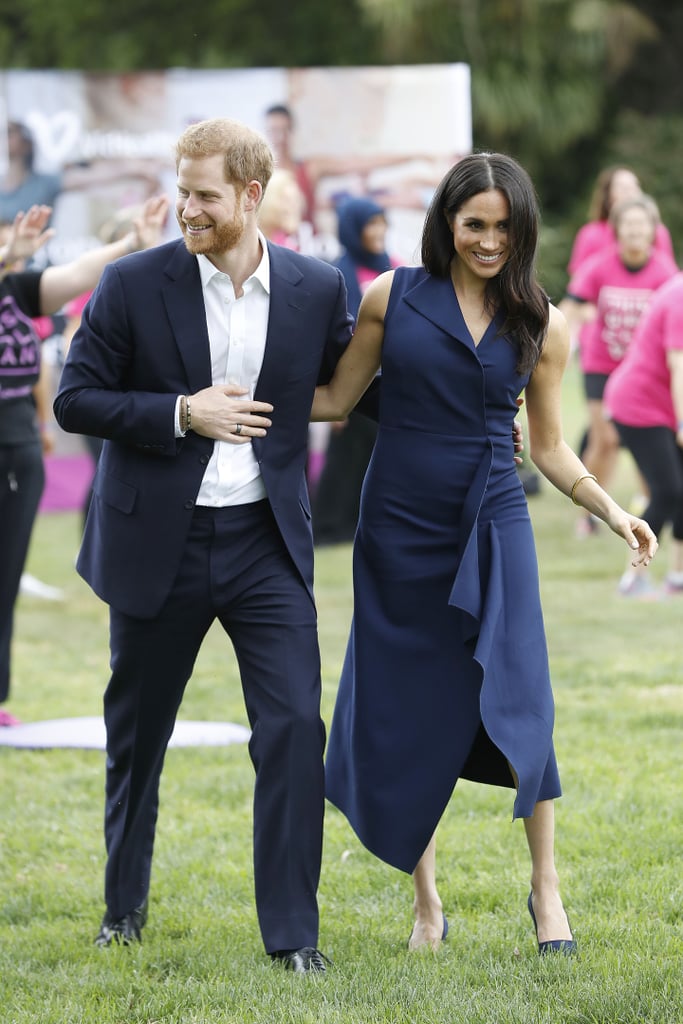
x=216, y=240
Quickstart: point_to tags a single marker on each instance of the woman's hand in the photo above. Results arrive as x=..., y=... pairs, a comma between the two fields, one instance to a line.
x=637, y=534
x=518, y=436
x=27, y=234
x=149, y=226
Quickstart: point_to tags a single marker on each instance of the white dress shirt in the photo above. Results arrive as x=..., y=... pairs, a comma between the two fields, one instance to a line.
x=237, y=341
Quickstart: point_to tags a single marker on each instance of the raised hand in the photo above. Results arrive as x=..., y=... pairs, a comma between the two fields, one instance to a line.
x=28, y=233
x=149, y=226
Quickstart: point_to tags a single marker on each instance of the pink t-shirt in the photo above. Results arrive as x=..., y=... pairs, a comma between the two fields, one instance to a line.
x=76, y=306
x=598, y=234
x=366, y=276
x=639, y=391
x=620, y=296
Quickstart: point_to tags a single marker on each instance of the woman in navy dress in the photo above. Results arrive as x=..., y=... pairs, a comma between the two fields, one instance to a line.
x=446, y=672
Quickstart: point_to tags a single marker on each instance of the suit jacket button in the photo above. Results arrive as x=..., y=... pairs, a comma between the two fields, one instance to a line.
x=204, y=460
x=189, y=504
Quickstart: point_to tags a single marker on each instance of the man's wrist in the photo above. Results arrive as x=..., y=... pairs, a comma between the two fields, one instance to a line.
x=185, y=414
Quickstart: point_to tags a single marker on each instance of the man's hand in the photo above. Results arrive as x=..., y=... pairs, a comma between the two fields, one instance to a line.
x=223, y=413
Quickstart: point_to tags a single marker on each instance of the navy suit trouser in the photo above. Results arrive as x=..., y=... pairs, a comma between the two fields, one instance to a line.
x=235, y=569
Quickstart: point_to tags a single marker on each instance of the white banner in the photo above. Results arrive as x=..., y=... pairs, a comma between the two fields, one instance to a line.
x=104, y=142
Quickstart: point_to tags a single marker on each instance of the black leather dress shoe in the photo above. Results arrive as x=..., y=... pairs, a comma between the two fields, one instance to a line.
x=123, y=930
x=306, y=960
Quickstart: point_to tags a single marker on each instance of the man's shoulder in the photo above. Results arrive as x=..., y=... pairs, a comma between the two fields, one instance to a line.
x=156, y=258
x=307, y=266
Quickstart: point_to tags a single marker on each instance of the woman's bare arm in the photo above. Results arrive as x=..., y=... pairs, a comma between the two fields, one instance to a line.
x=362, y=358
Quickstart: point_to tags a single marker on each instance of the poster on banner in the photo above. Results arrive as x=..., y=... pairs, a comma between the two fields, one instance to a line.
x=99, y=143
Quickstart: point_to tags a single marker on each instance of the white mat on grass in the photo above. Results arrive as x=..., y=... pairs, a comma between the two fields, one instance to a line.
x=89, y=733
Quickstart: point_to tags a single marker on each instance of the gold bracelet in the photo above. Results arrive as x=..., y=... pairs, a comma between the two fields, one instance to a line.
x=584, y=476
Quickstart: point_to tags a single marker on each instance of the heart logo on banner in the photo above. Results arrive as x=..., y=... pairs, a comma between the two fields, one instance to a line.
x=55, y=136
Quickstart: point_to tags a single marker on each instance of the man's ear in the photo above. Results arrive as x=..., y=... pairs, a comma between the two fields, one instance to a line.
x=253, y=194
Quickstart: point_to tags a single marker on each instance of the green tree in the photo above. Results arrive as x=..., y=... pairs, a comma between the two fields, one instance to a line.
x=541, y=69
x=97, y=35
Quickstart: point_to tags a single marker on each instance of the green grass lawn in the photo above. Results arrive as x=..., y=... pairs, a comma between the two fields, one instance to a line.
x=617, y=674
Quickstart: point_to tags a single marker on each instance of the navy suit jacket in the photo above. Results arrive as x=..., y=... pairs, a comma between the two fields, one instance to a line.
x=143, y=341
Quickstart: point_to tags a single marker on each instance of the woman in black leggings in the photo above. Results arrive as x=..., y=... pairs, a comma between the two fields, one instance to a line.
x=644, y=397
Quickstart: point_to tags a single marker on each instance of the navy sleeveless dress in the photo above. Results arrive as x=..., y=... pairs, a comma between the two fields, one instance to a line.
x=446, y=671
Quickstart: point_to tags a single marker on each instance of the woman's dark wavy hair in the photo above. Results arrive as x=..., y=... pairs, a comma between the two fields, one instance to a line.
x=515, y=290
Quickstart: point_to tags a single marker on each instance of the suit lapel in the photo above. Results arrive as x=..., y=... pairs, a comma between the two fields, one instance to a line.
x=182, y=294
x=286, y=326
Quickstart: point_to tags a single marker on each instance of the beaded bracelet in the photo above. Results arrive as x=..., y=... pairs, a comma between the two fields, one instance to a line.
x=584, y=476
x=188, y=413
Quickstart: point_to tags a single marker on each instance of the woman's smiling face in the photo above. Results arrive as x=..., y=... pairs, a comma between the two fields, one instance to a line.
x=480, y=233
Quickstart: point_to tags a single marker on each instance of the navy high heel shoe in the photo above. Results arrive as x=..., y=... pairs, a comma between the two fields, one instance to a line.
x=565, y=946
x=444, y=933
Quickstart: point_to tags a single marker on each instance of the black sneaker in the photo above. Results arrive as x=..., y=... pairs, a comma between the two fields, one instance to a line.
x=306, y=960
x=123, y=931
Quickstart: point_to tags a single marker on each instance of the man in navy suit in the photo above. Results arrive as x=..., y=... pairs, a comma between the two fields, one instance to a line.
x=196, y=362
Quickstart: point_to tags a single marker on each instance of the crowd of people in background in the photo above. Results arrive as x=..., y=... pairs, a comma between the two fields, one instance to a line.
x=620, y=259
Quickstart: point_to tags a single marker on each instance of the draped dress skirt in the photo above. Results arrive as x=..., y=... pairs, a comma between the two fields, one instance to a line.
x=446, y=670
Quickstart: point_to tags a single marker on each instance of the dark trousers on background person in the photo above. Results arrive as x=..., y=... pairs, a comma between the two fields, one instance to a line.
x=22, y=478
x=660, y=461
x=337, y=498
x=237, y=569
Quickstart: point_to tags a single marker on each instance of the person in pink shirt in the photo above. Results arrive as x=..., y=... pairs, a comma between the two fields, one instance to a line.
x=644, y=398
x=607, y=295
x=613, y=186
x=282, y=209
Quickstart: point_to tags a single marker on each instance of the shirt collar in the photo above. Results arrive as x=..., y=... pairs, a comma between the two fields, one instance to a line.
x=207, y=271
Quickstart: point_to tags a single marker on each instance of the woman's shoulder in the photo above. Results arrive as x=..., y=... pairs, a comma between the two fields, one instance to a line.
x=556, y=318
x=403, y=278
x=557, y=339
x=376, y=295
